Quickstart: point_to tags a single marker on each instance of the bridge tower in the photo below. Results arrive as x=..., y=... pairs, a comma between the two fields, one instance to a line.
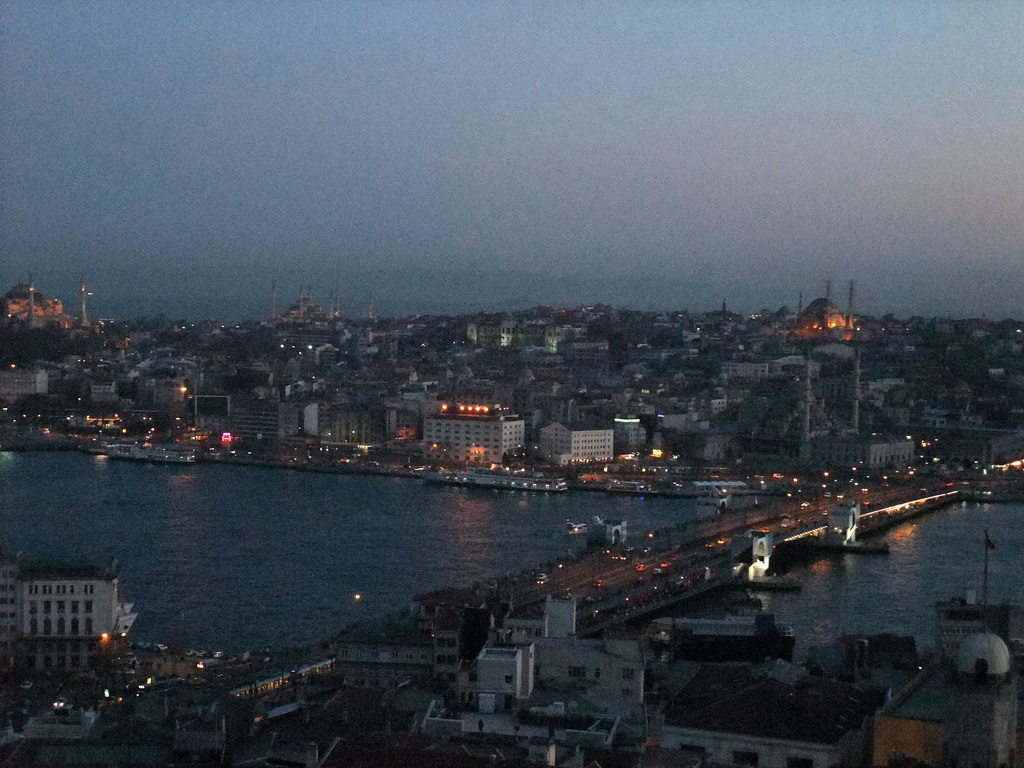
x=761, y=544
x=843, y=520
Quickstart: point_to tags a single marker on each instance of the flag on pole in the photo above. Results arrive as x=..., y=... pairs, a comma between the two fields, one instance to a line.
x=989, y=544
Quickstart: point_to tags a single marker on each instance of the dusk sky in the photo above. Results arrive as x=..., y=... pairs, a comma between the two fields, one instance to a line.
x=447, y=157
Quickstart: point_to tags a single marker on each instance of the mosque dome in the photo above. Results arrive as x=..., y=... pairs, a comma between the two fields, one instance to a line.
x=983, y=650
x=22, y=291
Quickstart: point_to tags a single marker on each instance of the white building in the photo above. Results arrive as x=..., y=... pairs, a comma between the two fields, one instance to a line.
x=556, y=618
x=504, y=677
x=609, y=672
x=566, y=443
x=603, y=676
x=480, y=434
x=68, y=613
x=16, y=383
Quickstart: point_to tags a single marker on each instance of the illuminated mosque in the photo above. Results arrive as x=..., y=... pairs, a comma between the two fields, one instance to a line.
x=23, y=303
x=820, y=319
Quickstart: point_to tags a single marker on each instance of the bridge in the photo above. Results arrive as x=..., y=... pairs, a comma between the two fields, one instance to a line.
x=704, y=564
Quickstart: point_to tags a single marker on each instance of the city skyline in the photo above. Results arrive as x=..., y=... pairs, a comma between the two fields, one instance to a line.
x=451, y=157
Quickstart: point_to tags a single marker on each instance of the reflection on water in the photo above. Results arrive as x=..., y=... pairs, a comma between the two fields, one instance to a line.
x=242, y=557
x=934, y=558
x=245, y=557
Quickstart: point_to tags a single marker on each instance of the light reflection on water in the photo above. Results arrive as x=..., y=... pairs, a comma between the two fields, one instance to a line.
x=935, y=558
x=243, y=557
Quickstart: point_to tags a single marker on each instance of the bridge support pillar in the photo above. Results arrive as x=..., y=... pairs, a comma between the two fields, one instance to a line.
x=842, y=523
x=761, y=546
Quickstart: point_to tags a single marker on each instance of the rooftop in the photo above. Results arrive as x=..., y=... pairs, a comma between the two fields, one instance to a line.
x=40, y=568
x=394, y=629
x=769, y=701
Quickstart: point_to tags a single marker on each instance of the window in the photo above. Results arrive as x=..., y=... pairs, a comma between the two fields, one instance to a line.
x=508, y=679
x=741, y=757
x=88, y=606
x=47, y=606
x=33, y=626
x=33, y=607
x=88, y=626
x=61, y=626
x=799, y=762
x=60, y=606
x=577, y=671
x=597, y=673
x=74, y=606
x=627, y=674
x=47, y=626
x=74, y=626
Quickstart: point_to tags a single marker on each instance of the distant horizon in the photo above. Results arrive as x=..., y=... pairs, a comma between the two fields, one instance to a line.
x=453, y=156
x=102, y=305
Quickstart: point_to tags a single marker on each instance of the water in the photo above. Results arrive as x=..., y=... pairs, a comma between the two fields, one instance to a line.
x=935, y=558
x=242, y=557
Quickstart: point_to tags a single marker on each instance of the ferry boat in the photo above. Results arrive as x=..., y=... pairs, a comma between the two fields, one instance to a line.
x=152, y=452
x=572, y=528
x=504, y=479
x=627, y=486
x=733, y=638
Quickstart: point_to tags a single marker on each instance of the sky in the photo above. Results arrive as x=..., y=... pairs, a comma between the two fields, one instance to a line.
x=442, y=157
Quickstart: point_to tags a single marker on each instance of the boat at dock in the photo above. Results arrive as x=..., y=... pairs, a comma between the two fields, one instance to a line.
x=503, y=479
x=627, y=486
x=573, y=529
x=152, y=453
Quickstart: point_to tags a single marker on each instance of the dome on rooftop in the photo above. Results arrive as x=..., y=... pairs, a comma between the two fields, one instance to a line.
x=986, y=648
x=21, y=291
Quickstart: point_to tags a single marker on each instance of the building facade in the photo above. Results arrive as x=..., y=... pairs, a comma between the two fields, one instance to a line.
x=17, y=383
x=567, y=443
x=68, y=614
x=475, y=434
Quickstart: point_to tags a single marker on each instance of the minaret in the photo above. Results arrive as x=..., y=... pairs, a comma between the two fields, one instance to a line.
x=31, y=303
x=805, y=425
x=337, y=301
x=800, y=304
x=805, y=406
x=83, y=318
x=273, y=302
x=370, y=313
x=849, y=311
x=856, y=389
x=828, y=304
